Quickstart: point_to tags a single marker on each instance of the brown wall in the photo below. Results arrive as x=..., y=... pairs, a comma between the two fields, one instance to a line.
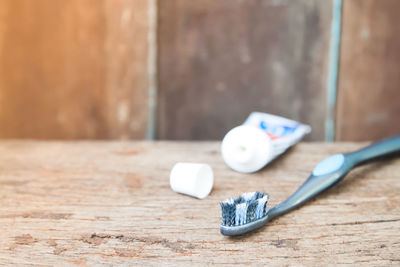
x=220, y=60
x=73, y=69
x=369, y=85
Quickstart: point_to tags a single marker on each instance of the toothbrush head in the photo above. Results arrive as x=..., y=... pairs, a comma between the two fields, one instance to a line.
x=244, y=213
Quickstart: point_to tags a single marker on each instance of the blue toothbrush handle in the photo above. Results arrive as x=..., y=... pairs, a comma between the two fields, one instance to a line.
x=375, y=151
x=332, y=170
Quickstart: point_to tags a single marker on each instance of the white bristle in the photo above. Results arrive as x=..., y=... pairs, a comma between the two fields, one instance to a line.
x=241, y=211
x=260, y=206
x=229, y=201
x=248, y=196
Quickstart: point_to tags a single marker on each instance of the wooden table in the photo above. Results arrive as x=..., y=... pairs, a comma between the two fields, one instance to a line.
x=109, y=203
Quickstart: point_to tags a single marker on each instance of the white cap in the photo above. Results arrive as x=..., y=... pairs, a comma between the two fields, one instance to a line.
x=193, y=179
x=246, y=149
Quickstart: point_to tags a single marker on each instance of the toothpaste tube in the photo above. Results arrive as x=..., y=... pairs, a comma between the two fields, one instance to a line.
x=260, y=139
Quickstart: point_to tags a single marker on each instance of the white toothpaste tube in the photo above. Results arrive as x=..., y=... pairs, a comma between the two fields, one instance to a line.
x=260, y=139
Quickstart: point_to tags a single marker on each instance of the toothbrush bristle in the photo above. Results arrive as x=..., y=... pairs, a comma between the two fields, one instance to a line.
x=246, y=208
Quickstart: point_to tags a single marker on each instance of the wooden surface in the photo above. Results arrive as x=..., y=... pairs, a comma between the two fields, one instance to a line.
x=220, y=60
x=87, y=203
x=73, y=69
x=369, y=79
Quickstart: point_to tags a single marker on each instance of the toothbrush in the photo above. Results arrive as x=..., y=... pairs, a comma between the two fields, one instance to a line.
x=248, y=212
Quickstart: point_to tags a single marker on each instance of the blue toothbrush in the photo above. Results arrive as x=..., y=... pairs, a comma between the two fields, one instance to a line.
x=248, y=212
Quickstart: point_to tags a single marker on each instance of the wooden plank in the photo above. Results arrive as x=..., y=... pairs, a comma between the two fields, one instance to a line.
x=73, y=69
x=220, y=60
x=369, y=77
x=109, y=203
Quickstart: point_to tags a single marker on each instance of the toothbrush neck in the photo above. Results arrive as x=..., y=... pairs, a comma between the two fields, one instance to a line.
x=280, y=209
x=309, y=189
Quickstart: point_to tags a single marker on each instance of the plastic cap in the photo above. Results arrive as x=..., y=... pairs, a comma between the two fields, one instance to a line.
x=246, y=149
x=193, y=179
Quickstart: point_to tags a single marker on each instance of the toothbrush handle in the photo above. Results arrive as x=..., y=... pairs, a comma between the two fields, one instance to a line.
x=332, y=170
x=381, y=149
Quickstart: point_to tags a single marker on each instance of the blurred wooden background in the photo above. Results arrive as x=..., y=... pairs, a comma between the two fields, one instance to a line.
x=184, y=69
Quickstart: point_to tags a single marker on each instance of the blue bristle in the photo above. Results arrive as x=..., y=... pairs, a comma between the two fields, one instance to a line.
x=246, y=208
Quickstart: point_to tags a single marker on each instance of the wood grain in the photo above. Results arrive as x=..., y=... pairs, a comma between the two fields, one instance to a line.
x=73, y=69
x=369, y=79
x=109, y=203
x=220, y=60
